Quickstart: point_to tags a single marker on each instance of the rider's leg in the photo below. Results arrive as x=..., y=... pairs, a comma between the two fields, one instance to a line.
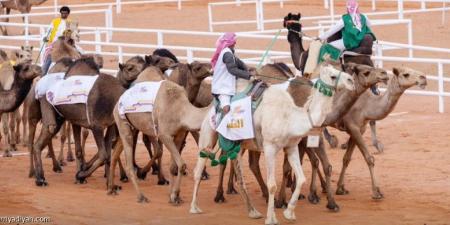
x=339, y=44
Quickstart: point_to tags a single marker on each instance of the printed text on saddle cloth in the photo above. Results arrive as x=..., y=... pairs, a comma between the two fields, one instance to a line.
x=46, y=82
x=72, y=90
x=238, y=123
x=139, y=98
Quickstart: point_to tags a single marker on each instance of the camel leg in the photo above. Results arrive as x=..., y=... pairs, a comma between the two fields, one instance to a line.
x=294, y=161
x=219, y=192
x=156, y=165
x=346, y=160
x=158, y=153
x=148, y=145
x=375, y=142
x=270, y=155
x=32, y=130
x=5, y=119
x=313, y=197
x=78, y=150
x=123, y=173
x=51, y=153
x=103, y=157
x=169, y=142
x=111, y=187
x=69, y=146
x=196, y=135
x=327, y=168
x=370, y=160
x=280, y=201
x=18, y=119
x=25, y=118
x=253, y=160
x=332, y=139
x=237, y=164
x=44, y=139
x=230, y=188
x=63, y=140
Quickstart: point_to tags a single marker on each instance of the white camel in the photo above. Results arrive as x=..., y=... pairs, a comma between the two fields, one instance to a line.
x=278, y=124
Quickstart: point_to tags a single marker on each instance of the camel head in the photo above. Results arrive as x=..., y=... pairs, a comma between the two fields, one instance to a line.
x=25, y=54
x=200, y=70
x=408, y=77
x=27, y=71
x=366, y=75
x=131, y=69
x=71, y=32
x=163, y=63
x=98, y=59
x=335, y=79
x=292, y=22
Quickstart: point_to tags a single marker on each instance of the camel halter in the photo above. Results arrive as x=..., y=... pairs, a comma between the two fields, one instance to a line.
x=326, y=90
x=301, y=33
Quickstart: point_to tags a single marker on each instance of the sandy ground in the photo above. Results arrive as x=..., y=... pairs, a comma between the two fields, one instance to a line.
x=412, y=172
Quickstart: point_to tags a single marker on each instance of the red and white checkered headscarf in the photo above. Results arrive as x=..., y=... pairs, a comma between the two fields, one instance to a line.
x=226, y=40
x=353, y=11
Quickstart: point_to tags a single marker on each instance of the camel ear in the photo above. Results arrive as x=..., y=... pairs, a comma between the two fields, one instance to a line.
x=22, y=47
x=31, y=48
x=17, y=54
x=299, y=15
x=148, y=59
x=351, y=67
x=121, y=66
x=196, y=66
x=396, y=71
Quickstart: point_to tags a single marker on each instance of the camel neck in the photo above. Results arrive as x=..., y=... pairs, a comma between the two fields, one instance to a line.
x=384, y=105
x=319, y=106
x=10, y=100
x=296, y=46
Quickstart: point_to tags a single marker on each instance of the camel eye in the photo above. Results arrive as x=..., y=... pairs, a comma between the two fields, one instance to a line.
x=406, y=75
x=333, y=78
x=129, y=68
x=366, y=73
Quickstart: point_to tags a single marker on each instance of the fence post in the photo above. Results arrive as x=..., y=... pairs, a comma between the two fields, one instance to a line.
x=238, y=2
x=55, y=6
x=98, y=39
x=379, y=62
x=258, y=24
x=27, y=30
x=179, y=5
x=374, y=7
x=441, y=87
x=210, y=22
x=109, y=23
x=41, y=44
x=159, y=39
x=400, y=9
x=332, y=11
x=325, y=4
x=190, y=55
x=423, y=5
x=443, y=12
x=261, y=13
x=282, y=4
x=120, y=53
x=118, y=7
x=410, y=38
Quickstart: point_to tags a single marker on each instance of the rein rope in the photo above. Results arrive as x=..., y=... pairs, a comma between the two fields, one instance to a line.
x=301, y=33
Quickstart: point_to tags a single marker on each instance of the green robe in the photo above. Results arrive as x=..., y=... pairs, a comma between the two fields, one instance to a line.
x=351, y=35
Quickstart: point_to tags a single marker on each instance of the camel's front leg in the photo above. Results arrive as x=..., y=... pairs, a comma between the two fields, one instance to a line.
x=270, y=155
x=294, y=161
x=378, y=145
x=201, y=162
x=252, y=212
x=253, y=160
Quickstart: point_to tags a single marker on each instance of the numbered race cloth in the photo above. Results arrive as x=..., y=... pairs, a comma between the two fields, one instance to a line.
x=73, y=90
x=139, y=98
x=47, y=81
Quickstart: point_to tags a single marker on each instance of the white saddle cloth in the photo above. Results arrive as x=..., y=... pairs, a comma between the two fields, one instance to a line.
x=44, y=84
x=238, y=123
x=73, y=90
x=139, y=98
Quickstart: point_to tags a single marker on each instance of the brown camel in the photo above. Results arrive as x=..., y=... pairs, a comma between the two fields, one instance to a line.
x=23, y=78
x=370, y=107
x=23, y=6
x=11, y=121
x=172, y=127
x=98, y=117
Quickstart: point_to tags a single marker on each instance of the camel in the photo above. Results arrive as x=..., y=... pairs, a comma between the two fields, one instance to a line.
x=369, y=107
x=172, y=127
x=23, y=6
x=275, y=133
x=11, y=121
x=98, y=117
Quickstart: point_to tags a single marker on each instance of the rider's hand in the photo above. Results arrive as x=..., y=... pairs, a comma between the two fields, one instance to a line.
x=45, y=39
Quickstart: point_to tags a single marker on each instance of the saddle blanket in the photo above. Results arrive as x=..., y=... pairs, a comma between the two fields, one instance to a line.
x=236, y=124
x=139, y=98
x=72, y=90
x=47, y=81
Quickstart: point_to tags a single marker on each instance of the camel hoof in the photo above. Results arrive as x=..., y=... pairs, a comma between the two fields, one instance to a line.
x=205, y=175
x=124, y=178
x=195, y=209
x=57, y=169
x=70, y=158
x=289, y=214
x=232, y=191
x=333, y=207
x=219, y=198
x=377, y=195
x=41, y=182
x=280, y=204
x=301, y=197
x=7, y=154
x=271, y=221
x=379, y=146
x=31, y=174
x=114, y=190
x=62, y=163
x=163, y=182
x=334, y=142
x=313, y=198
x=141, y=174
x=176, y=200
x=254, y=214
x=142, y=199
x=79, y=179
x=342, y=191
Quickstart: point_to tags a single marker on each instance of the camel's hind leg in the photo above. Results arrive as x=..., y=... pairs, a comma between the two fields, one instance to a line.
x=280, y=201
x=18, y=119
x=253, y=160
x=25, y=119
x=294, y=161
x=270, y=155
x=4, y=118
x=345, y=162
x=219, y=192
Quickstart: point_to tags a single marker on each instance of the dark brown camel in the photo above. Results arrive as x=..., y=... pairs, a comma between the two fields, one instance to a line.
x=102, y=98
